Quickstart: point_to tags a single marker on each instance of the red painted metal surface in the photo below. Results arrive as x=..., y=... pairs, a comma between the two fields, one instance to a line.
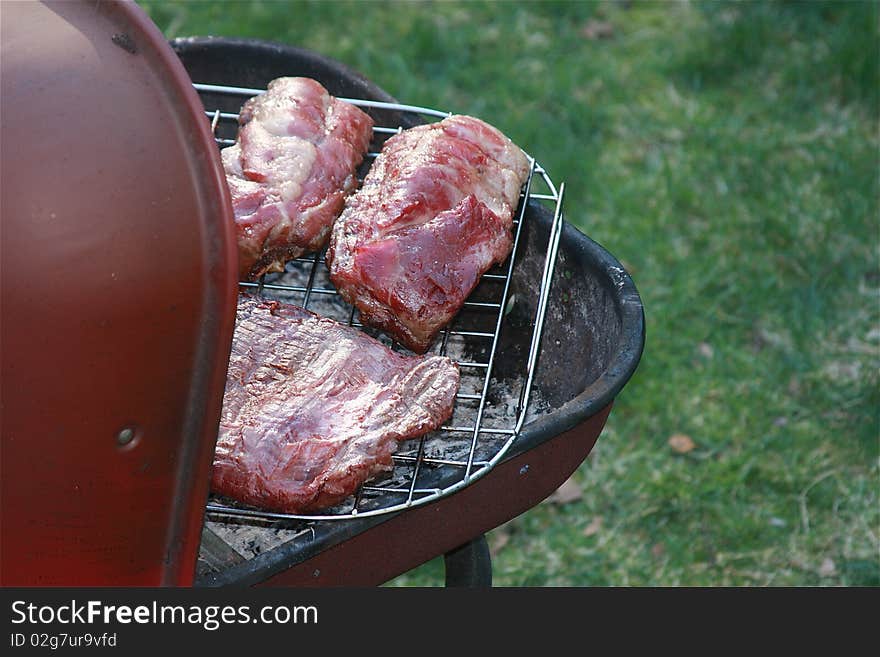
x=420, y=534
x=118, y=299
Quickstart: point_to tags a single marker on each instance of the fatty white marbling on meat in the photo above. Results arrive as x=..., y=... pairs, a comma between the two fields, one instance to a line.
x=289, y=172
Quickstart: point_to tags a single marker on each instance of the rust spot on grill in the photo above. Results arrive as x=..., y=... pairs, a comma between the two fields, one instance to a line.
x=125, y=42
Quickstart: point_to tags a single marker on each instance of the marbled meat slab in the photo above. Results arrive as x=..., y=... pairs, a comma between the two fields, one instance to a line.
x=314, y=408
x=434, y=213
x=293, y=164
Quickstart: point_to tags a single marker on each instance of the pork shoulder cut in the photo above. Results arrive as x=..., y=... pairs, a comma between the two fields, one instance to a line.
x=433, y=214
x=293, y=164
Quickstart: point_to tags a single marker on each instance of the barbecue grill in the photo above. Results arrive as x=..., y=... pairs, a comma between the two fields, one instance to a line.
x=544, y=344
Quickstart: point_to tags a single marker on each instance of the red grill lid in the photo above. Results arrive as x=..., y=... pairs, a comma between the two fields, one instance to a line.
x=118, y=299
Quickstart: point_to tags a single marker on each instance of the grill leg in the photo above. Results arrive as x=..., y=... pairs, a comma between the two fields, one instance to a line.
x=469, y=565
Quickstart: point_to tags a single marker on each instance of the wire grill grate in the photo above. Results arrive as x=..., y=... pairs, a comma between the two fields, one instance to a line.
x=488, y=413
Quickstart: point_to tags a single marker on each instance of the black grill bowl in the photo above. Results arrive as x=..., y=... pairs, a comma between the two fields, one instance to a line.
x=592, y=341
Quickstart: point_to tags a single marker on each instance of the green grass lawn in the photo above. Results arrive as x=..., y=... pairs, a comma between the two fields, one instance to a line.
x=728, y=155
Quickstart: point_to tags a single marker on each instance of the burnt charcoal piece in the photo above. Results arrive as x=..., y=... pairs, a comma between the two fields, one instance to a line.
x=314, y=408
x=292, y=166
x=434, y=213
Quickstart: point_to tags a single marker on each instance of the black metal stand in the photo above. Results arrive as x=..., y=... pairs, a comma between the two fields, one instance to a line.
x=469, y=565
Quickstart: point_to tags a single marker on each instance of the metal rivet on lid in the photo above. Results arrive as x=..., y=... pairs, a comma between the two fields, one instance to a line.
x=125, y=436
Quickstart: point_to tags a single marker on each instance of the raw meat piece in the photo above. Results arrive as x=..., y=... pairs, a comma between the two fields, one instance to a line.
x=433, y=215
x=290, y=170
x=314, y=408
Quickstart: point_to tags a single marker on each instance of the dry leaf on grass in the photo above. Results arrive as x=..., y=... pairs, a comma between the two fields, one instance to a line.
x=568, y=492
x=594, y=29
x=828, y=568
x=681, y=443
x=594, y=527
x=497, y=541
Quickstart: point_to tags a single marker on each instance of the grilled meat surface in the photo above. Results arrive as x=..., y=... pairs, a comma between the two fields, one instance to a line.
x=314, y=408
x=434, y=213
x=290, y=170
